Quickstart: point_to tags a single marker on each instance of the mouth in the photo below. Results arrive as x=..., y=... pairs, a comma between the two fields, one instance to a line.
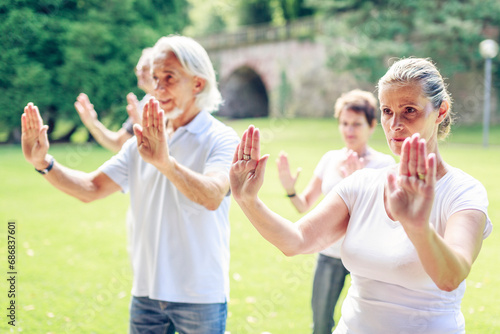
x=398, y=140
x=166, y=101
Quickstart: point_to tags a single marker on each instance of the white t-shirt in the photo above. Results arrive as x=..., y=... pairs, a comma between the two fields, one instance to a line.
x=179, y=250
x=328, y=171
x=390, y=291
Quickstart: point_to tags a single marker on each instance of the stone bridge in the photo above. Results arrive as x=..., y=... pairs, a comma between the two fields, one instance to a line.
x=282, y=72
x=275, y=71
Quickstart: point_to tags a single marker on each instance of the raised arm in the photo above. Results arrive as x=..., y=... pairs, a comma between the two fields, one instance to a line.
x=207, y=189
x=447, y=260
x=35, y=144
x=314, y=232
x=111, y=140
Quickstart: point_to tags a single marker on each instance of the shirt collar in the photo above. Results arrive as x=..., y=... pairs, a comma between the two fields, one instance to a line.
x=199, y=122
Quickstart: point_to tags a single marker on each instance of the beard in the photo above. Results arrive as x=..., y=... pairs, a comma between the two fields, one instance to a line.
x=173, y=114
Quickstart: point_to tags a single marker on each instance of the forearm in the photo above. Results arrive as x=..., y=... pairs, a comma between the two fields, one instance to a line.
x=104, y=136
x=299, y=201
x=446, y=267
x=277, y=230
x=72, y=182
x=207, y=190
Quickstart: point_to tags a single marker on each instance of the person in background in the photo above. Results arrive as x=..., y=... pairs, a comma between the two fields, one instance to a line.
x=356, y=114
x=177, y=172
x=112, y=140
x=411, y=232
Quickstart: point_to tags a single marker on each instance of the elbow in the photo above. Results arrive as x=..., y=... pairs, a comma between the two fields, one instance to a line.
x=289, y=253
x=213, y=204
x=449, y=285
x=86, y=199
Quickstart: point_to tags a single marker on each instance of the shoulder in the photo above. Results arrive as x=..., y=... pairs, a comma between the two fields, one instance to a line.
x=379, y=160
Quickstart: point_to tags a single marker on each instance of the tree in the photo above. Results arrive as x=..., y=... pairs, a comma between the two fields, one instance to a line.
x=55, y=49
x=370, y=32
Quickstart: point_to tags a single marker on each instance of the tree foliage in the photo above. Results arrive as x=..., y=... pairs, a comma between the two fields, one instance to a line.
x=54, y=49
x=374, y=31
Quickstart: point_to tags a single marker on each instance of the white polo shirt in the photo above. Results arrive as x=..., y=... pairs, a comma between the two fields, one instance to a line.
x=179, y=249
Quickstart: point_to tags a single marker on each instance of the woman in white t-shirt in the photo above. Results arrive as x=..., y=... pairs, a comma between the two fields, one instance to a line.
x=411, y=232
x=356, y=112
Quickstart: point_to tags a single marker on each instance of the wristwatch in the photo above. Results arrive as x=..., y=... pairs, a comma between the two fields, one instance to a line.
x=49, y=167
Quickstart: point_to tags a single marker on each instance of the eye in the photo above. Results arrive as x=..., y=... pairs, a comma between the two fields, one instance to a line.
x=386, y=111
x=410, y=110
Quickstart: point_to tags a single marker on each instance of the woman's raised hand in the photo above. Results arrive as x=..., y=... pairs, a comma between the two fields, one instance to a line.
x=351, y=163
x=287, y=179
x=247, y=171
x=34, y=140
x=410, y=195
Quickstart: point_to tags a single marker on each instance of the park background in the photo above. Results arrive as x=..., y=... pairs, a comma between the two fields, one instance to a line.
x=74, y=274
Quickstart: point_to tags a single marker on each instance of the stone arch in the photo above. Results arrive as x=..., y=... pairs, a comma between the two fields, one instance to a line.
x=245, y=95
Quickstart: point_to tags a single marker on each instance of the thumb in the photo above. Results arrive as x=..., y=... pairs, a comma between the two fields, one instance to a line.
x=261, y=165
x=138, y=132
x=298, y=173
x=43, y=139
x=391, y=182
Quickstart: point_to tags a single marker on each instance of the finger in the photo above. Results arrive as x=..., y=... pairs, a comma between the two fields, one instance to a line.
x=161, y=122
x=422, y=157
x=145, y=112
x=154, y=115
x=38, y=118
x=29, y=115
x=25, y=119
x=242, y=145
x=248, y=144
x=235, y=155
x=413, y=160
x=255, y=148
x=405, y=156
x=24, y=126
x=131, y=98
x=150, y=113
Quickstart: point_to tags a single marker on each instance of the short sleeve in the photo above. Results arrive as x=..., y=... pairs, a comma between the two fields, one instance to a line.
x=117, y=168
x=222, y=152
x=471, y=195
x=319, y=171
x=128, y=126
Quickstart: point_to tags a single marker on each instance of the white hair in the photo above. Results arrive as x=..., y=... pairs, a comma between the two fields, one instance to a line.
x=194, y=59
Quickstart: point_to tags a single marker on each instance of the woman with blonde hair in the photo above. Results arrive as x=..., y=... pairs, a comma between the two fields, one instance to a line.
x=411, y=232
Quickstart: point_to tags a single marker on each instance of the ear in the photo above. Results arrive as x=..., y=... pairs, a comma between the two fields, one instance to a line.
x=443, y=111
x=198, y=84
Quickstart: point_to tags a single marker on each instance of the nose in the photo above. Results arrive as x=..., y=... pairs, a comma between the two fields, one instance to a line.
x=395, y=123
x=157, y=85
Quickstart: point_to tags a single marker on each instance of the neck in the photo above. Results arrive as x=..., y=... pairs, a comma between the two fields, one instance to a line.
x=185, y=118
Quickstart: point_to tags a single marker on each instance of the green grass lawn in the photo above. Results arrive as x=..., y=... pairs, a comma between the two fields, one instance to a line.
x=73, y=268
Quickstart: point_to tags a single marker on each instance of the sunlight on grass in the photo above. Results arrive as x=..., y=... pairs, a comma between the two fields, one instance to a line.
x=74, y=272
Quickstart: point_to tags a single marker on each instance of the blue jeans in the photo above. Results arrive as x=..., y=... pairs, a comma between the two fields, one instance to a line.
x=149, y=316
x=328, y=282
